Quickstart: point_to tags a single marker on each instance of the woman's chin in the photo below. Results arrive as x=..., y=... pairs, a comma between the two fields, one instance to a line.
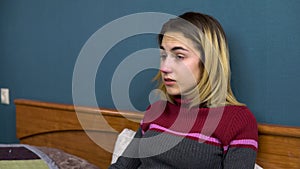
x=173, y=92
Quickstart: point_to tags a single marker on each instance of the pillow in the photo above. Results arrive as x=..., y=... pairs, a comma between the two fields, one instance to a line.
x=257, y=167
x=125, y=137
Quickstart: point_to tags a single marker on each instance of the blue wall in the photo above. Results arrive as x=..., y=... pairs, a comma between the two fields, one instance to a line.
x=40, y=41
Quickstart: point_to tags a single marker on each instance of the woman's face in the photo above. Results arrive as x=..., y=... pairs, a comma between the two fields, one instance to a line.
x=179, y=64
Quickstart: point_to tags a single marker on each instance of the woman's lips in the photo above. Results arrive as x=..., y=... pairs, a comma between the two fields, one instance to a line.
x=169, y=82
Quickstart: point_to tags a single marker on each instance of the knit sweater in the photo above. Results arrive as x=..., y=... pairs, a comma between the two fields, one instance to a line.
x=176, y=136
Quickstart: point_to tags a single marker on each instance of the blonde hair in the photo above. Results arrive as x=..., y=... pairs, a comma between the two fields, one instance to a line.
x=208, y=37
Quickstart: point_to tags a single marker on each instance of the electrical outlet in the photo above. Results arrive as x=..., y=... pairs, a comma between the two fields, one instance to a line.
x=4, y=96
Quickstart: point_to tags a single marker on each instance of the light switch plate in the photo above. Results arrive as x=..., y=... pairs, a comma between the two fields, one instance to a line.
x=4, y=96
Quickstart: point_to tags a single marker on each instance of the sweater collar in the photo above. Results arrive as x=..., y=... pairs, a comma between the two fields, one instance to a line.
x=179, y=100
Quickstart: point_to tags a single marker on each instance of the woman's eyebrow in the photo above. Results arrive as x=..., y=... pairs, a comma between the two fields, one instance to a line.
x=175, y=48
x=178, y=48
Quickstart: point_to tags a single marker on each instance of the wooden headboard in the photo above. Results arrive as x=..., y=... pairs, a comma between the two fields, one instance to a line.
x=57, y=125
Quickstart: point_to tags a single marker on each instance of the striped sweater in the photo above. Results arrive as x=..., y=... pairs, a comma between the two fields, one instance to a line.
x=176, y=136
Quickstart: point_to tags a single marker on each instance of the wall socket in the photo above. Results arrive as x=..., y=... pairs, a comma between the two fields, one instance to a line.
x=4, y=96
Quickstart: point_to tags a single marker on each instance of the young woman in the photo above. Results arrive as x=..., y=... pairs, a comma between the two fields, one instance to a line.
x=198, y=123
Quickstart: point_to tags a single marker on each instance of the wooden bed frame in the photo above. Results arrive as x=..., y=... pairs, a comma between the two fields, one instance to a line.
x=57, y=125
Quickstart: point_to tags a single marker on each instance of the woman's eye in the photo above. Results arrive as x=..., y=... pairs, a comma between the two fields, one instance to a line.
x=180, y=57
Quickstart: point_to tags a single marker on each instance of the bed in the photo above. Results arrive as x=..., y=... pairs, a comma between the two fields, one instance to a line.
x=59, y=126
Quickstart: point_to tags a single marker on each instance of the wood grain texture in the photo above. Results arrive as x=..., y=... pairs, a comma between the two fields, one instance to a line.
x=90, y=133
x=279, y=146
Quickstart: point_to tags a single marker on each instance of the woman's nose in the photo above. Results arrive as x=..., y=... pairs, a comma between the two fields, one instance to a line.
x=166, y=65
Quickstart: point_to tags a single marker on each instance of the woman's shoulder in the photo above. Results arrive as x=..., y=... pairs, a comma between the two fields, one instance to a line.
x=155, y=109
x=237, y=112
x=237, y=122
x=240, y=118
x=229, y=112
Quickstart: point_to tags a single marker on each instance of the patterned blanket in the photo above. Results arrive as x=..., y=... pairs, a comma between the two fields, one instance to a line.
x=24, y=156
x=21, y=156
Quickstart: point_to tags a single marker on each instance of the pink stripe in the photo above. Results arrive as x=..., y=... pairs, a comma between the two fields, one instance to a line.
x=245, y=142
x=194, y=135
x=143, y=132
x=250, y=142
x=225, y=148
